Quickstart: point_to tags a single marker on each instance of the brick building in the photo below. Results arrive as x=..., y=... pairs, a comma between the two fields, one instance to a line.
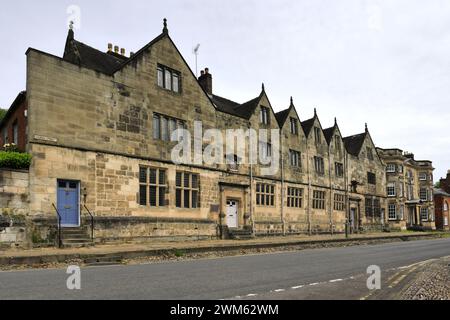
x=13, y=127
x=442, y=202
x=99, y=127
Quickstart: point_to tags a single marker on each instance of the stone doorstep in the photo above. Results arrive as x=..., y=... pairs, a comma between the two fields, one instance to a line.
x=61, y=257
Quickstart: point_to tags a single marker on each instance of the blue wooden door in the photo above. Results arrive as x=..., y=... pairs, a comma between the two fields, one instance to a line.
x=68, y=203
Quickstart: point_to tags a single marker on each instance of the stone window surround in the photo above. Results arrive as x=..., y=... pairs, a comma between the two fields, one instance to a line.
x=339, y=202
x=265, y=195
x=159, y=185
x=193, y=190
x=392, y=212
x=163, y=72
x=294, y=197
x=318, y=200
x=295, y=158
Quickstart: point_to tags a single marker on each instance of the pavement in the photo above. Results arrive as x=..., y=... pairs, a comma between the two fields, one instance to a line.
x=327, y=273
x=166, y=249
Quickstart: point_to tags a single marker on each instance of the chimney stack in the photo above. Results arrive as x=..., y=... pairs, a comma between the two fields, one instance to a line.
x=205, y=81
x=110, y=47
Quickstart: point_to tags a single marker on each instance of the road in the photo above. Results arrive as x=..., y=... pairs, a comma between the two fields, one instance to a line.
x=316, y=273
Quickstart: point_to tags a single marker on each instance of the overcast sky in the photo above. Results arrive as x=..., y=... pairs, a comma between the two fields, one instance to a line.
x=382, y=62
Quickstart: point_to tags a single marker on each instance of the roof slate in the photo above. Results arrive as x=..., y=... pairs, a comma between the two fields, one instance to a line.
x=353, y=144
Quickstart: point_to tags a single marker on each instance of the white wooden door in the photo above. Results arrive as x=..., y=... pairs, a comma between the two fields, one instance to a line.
x=232, y=214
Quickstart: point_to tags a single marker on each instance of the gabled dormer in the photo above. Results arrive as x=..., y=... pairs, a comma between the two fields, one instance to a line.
x=334, y=139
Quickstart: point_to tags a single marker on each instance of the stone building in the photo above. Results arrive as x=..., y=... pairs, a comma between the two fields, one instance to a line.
x=99, y=128
x=409, y=188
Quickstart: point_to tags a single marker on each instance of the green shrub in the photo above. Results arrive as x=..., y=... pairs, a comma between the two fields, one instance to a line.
x=14, y=160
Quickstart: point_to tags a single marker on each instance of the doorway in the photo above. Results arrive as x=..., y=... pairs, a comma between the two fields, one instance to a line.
x=68, y=200
x=232, y=214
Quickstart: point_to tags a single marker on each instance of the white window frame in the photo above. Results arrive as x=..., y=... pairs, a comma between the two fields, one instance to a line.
x=392, y=214
x=391, y=168
x=424, y=211
x=390, y=187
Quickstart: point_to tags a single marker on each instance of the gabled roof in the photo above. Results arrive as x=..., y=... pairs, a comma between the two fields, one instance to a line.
x=21, y=97
x=354, y=144
x=440, y=192
x=328, y=133
x=308, y=125
x=244, y=110
x=83, y=55
x=282, y=116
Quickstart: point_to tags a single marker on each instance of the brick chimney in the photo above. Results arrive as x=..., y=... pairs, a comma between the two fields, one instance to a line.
x=445, y=183
x=205, y=81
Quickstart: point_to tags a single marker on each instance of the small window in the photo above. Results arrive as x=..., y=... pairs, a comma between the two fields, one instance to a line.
x=168, y=79
x=265, y=150
x=164, y=126
x=265, y=119
x=176, y=83
x=294, y=126
x=391, y=190
x=337, y=140
x=391, y=168
x=319, y=165
x=295, y=158
x=424, y=214
x=392, y=212
x=339, y=169
x=160, y=77
x=369, y=153
x=371, y=178
x=423, y=194
x=318, y=135
x=16, y=133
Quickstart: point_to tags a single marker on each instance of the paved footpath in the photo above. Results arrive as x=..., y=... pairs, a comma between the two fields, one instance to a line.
x=54, y=255
x=282, y=275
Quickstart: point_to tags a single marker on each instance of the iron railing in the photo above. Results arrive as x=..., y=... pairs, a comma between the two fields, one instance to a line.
x=92, y=222
x=60, y=241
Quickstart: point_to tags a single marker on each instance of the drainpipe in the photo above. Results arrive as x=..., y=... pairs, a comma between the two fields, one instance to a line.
x=347, y=198
x=251, y=185
x=282, y=183
x=308, y=211
x=331, y=189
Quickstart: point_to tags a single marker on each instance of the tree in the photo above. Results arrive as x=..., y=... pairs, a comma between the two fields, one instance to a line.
x=2, y=113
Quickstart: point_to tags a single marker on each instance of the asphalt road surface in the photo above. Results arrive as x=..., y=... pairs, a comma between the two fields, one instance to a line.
x=335, y=273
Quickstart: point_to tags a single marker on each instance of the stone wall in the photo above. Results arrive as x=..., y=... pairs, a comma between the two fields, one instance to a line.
x=14, y=206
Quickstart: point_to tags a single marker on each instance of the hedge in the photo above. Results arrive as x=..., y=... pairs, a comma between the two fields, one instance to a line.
x=14, y=160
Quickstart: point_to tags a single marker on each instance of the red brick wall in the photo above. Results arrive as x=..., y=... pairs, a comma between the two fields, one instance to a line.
x=440, y=213
x=19, y=116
